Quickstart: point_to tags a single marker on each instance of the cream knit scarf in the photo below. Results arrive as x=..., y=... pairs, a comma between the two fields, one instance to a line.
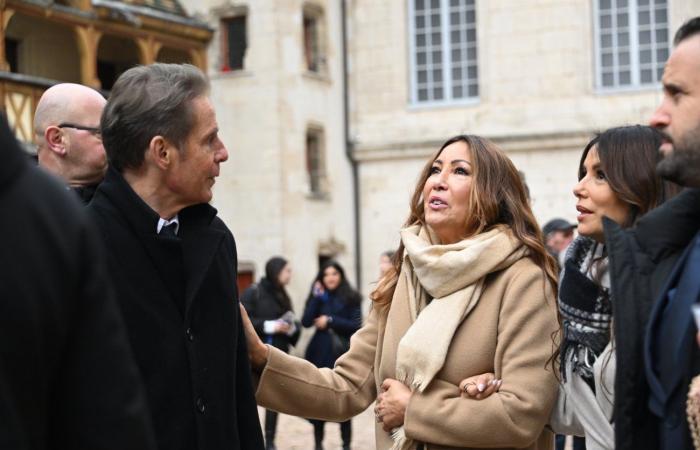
x=453, y=276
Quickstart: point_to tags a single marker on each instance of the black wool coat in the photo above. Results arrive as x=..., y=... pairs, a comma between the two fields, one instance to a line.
x=641, y=261
x=345, y=314
x=68, y=379
x=262, y=303
x=185, y=328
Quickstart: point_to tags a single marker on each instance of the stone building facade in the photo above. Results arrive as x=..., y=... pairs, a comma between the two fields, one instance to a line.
x=549, y=74
x=329, y=108
x=276, y=70
x=538, y=77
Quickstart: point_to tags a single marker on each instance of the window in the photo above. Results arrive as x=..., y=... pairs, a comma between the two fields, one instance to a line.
x=233, y=43
x=443, y=50
x=245, y=276
x=632, y=42
x=315, y=161
x=313, y=44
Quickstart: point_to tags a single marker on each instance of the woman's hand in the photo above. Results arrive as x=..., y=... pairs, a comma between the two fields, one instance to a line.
x=479, y=386
x=392, y=403
x=318, y=289
x=321, y=322
x=257, y=351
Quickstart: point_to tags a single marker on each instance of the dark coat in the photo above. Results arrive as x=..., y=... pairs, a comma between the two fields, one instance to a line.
x=263, y=303
x=641, y=260
x=345, y=319
x=185, y=327
x=67, y=375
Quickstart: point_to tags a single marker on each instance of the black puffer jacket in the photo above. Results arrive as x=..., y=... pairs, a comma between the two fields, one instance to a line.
x=262, y=302
x=641, y=259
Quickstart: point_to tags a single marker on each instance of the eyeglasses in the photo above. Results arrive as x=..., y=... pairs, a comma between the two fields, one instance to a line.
x=95, y=131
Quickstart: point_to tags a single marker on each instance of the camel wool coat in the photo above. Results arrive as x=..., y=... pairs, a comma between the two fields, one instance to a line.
x=509, y=332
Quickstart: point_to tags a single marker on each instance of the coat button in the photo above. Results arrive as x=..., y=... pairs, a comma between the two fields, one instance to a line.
x=201, y=406
x=190, y=335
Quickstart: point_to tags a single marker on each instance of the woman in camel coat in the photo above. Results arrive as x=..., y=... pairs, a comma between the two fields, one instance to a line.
x=472, y=291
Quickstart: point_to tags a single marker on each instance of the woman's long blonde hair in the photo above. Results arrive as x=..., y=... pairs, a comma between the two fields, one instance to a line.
x=498, y=196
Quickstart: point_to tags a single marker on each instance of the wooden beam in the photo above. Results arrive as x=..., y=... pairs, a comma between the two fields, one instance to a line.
x=5, y=16
x=148, y=49
x=88, y=39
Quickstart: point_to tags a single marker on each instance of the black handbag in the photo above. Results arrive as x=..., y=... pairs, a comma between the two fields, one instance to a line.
x=339, y=344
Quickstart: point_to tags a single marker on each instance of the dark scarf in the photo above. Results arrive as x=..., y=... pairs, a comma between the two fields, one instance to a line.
x=586, y=312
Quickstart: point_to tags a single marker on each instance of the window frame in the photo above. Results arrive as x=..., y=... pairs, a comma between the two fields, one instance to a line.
x=224, y=51
x=634, y=48
x=447, y=64
x=319, y=178
x=315, y=13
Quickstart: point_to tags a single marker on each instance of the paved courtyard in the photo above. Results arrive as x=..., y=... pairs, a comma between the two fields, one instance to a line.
x=294, y=433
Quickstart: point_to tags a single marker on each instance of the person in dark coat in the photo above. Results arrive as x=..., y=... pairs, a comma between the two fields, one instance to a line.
x=67, y=375
x=654, y=268
x=334, y=309
x=173, y=260
x=272, y=314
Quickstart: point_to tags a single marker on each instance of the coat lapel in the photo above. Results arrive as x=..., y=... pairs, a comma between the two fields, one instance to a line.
x=199, y=247
x=199, y=240
x=660, y=391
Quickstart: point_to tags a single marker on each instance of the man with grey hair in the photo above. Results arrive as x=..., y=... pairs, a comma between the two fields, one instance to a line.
x=67, y=134
x=173, y=260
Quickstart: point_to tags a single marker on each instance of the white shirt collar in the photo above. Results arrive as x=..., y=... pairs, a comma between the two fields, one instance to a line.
x=163, y=222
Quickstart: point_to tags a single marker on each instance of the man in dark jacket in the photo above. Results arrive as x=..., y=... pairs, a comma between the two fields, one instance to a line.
x=655, y=274
x=173, y=260
x=272, y=314
x=67, y=375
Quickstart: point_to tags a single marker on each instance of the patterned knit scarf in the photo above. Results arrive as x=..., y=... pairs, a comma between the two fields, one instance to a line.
x=585, y=309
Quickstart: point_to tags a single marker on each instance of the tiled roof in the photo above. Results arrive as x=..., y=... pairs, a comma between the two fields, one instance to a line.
x=170, y=6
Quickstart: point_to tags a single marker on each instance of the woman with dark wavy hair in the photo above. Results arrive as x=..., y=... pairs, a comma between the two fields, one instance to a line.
x=616, y=179
x=333, y=309
x=472, y=290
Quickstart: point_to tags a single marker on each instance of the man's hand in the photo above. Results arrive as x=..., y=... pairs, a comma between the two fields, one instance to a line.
x=392, y=403
x=257, y=351
x=281, y=327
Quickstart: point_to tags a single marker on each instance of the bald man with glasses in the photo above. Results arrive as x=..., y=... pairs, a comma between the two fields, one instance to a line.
x=68, y=138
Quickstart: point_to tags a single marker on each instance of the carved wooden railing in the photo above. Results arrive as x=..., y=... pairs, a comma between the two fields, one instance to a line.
x=20, y=94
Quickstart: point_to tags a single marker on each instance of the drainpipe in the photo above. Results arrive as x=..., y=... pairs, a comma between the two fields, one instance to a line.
x=349, y=153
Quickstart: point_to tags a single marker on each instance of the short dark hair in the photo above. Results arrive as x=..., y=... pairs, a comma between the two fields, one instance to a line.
x=688, y=29
x=149, y=101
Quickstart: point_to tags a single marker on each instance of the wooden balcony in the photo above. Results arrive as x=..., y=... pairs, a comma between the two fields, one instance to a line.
x=20, y=94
